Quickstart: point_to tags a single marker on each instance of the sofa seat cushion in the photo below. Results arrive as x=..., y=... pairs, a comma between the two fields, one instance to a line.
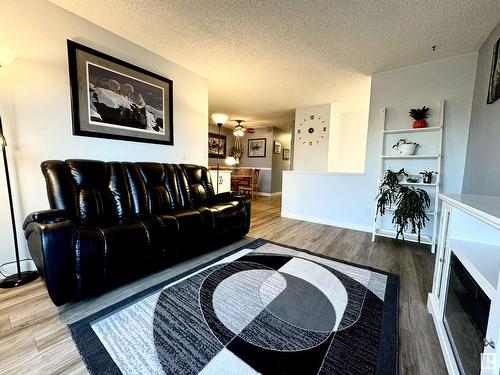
x=162, y=240
x=109, y=256
x=192, y=230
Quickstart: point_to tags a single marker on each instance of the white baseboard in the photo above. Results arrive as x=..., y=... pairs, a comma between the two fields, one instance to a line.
x=269, y=194
x=321, y=220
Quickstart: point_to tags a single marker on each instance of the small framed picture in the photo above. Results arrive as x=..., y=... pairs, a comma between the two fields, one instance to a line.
x=216, y=146
x=257, y=148
x=277, y=147
x=286, y=154
x=111, y=98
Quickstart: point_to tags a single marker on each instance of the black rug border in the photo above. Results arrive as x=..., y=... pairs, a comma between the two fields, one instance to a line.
x=98, y=361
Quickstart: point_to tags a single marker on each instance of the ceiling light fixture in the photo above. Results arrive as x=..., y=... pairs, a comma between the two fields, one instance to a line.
x=239, y=130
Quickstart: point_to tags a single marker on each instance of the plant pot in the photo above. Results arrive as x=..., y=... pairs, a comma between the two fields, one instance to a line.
x=418, y=124
x=407, y=149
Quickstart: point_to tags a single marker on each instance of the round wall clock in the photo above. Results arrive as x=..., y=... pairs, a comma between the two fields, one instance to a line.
x=311, y=130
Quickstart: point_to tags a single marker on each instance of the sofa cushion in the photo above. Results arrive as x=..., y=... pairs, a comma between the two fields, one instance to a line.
x=200, y=184
x=109, y=256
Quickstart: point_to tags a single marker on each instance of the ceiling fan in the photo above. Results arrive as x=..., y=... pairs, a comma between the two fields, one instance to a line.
x=239, y=130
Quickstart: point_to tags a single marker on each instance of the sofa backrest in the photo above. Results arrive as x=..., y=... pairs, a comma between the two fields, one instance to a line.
x=91, y=192
x=95, y=192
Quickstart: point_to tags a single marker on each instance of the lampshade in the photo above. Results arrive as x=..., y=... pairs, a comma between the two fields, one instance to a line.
x=230, y=160
x=219, y=118
x=7, y=56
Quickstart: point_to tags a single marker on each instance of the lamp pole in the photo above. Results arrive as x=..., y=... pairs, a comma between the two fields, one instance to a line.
x=20, y=278
x=218, y=158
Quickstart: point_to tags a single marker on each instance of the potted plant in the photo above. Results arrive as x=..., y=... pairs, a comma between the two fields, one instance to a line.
x=405, y=147
x=427, y=176
x=410, y=203
x=388, y=189
x=420, y=116
x=236, y=153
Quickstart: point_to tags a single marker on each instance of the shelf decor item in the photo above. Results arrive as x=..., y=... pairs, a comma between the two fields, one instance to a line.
x=413, y=179
x=114, y=99
x=420, y=116
x=427, y=176
x=410, y=204
x=388, y=189
x=405, y=147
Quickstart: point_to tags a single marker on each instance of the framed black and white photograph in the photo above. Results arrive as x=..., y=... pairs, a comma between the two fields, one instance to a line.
x=286, y=154
x=257, y=148
x=216, y=145
x=114, y=99
x=494, y=87
x=277, y=147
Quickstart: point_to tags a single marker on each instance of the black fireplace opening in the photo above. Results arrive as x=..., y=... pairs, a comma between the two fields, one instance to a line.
x=466, y=317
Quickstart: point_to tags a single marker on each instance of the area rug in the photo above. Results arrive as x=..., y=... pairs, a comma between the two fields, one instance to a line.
x=265, y=308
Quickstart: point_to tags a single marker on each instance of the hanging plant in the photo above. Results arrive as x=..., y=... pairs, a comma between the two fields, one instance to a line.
x=235, y=152
x=410, y=203
x=388, y=189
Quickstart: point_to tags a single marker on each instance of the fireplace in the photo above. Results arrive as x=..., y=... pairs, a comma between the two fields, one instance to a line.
x=465, y=318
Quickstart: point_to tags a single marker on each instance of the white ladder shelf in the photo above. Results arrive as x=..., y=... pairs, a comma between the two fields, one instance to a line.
x=432, y=189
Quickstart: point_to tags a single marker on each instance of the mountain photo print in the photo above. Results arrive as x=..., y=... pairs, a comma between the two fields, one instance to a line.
x=114, y=99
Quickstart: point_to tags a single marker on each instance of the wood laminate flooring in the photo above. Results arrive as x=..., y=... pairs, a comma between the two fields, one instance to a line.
x=34, y=338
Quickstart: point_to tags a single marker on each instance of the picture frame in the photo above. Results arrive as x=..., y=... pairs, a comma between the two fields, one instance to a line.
x=216, y=145
x=494, y=86
x=111, y=98
x=257, y=148
x=286, y=154
x=277, y=147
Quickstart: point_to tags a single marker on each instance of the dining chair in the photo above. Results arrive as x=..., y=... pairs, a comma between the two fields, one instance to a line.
x=252, y=188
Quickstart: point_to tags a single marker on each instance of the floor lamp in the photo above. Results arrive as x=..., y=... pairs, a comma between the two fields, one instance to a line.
x=220, y=120
x=19, y=278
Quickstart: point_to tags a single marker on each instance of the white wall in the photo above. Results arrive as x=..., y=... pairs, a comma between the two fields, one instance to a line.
x=481, y=171
x=349, y=199
x=350, y=153
x=35, y=103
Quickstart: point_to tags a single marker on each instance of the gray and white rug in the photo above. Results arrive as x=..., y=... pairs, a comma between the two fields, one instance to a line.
x=267, y=308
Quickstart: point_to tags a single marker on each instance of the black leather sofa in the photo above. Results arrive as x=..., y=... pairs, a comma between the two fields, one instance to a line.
x=112, y=222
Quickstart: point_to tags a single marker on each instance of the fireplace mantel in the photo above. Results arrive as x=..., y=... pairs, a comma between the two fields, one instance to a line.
x=469, y=235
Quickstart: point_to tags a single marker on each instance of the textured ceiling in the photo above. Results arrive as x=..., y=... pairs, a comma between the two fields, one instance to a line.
x=264, y=58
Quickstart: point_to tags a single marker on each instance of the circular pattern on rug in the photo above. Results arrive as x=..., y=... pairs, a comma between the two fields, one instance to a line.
x=295, y=308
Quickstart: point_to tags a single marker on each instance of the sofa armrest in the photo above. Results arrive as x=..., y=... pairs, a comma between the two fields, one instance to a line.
x=51, y=242
x=231, y=196
x=46, y=216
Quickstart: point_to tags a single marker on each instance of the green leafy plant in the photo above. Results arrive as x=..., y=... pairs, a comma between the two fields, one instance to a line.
x=420, y=114
x=236, y=152
x=427, y=176
x=405, y=142
x=411, y=203
x=388, y=189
